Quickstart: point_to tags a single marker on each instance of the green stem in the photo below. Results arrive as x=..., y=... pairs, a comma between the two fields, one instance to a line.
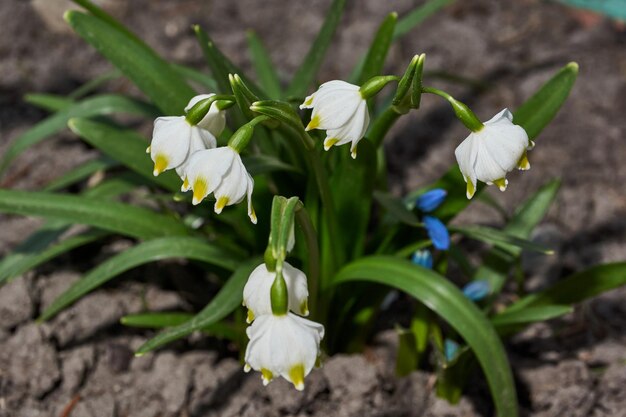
x=382, y=124
x=463, y=113
x=313, y=260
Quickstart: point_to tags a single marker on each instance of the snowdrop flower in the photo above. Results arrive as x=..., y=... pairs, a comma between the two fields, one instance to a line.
x=174, y=140
x=340, y=109
x=283, y=345
x=488, y=154
x=214, y=121
x=256, y=293
x=220, y=171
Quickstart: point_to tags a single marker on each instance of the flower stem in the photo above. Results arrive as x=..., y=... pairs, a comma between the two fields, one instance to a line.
x=463, y=113
x=382, y=124
x=310, y=235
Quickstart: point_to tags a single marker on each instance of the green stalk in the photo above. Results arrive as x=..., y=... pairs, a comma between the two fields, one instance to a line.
x=313, y=261
x=382, y=124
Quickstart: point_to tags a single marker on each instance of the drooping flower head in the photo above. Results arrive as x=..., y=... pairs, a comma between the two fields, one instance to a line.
x=340, y=109
x=174, y=139
x=283, y=345
x=489, y=154
x=219, y=171
x=256, y=293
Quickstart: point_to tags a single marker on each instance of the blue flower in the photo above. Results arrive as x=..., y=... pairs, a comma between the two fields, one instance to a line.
x=477, y=290
x=450, y=349
x=423, y=258
x=437, y=232
x=430, y=200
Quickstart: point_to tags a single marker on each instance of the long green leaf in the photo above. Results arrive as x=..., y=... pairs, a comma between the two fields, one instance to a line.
x=529, y=315
x=96, y=106
x=224, y=303
x=163, y=320
x=263, y=66
x=314, y=58
x=396, y=208
x=502, y=240
x=125, y=146
x=80, y=173
x=263, y=164
x=107, y=215
x=150, y=251
x=578, y=287
x=418, y=15
x=48, y=102
x=441, y=296
x=196, y=76
x=150, y=73
x=375, y=58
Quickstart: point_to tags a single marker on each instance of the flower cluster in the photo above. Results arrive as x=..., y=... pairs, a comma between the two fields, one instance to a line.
x=281, y=343
x=191, y=149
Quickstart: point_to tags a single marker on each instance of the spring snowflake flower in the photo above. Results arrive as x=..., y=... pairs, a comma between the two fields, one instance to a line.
x=340, y=109
x=256, y=293
x=490, y=153
x=283, y=345
x=174, y=139
x=220, y=171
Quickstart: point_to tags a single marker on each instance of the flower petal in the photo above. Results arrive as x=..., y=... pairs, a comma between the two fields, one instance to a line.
x=437, y=232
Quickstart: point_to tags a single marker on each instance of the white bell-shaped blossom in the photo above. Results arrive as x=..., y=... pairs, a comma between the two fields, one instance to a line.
x=489, y=154
x=340, y=109
x=174, y=140
x=256, y=293
x=220, y=171
x=283, y=345
x=214, y=121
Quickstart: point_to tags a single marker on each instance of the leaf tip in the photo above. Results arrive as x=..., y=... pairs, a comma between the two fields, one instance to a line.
x=68, y=15
x=573, y=66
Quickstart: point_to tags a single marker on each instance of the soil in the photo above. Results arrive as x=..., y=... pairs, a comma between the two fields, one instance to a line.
x=80, y=364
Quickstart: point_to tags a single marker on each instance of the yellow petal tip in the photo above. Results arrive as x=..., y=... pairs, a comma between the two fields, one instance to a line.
x=313, y=124
x=220, y=204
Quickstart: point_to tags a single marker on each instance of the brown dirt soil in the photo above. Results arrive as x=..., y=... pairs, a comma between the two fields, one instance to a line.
x=83, y=358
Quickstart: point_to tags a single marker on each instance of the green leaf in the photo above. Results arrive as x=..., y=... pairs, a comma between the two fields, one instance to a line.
x=95, y=106
x=263, y=66
x=150, y=251
x=418, y=15
x=497, y=263
x=502, y=240
x=49, y=102
x=540, y=109
x=441, y=296
x=529, y=315
x=305, y=75
x=80, y=173
x=151, y=74
x=162, y=320
x=396, y=208
x=577, y=287
x=204, y=80
x=263, y=164
x=375, y=58
x=123, y=145
x=95, y=83
x=224, y=303
x=116, y=217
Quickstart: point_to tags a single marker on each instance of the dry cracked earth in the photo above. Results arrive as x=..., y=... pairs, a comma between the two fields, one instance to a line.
x=80, y=364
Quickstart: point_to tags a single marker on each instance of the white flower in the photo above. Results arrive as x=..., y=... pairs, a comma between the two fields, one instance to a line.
x=256, y=293
x=285, y=345
x=174, y=140
x=220, y=171
x=489, y=154
x=340, y=109
x=214, y=121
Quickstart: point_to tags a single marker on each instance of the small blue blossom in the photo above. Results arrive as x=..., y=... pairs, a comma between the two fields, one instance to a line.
x=437, y=232
x=477, y=290
x=423, y=258
x=450, y=349
x=430, y=200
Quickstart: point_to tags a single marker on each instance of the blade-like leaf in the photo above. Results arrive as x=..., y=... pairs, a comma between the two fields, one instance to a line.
x=578, y=287
x=417, y=16
x=151, y=74
x=441, y=296
x=95, y=106
x=262, y=164
x=224, y=303
x=540, y=109
x=49, y=102
x=529, y=315
x=117, y=217
x=263, y=66
x=207, y=82
x=163, y=320
x=308, y=69
x=150, y=251
x=396, y=208
x=81, y=172
x=502, y=240
x=375, y=58
x=123, y=145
